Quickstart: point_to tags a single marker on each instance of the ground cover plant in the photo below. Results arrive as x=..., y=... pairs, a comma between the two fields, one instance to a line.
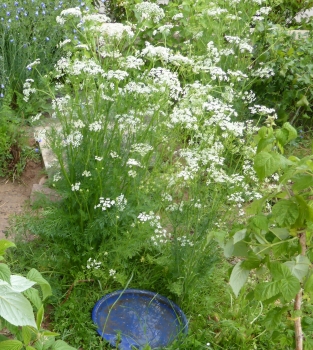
x=159, y=136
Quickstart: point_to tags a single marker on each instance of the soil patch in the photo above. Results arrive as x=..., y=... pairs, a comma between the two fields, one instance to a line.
x=14, y=196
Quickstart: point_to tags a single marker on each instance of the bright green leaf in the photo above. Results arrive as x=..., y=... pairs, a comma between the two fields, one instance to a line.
x=266, y=164
x=5, y=273
x=4, y=245
x=26, y=334
x=302, y=181
x=285, y=212
x=281, y=233
x=266, y=290
x=279, y=271
x=35, y=276
x=289, y=287
x=40, y=315
x=32, y=295
x=300, y=267
x=303, y=102
x=61, y=345
x=239, y=235
x=292, y=132
x=238, y=278
x=15, y=308
x=273, y=318
x=11, y=345
x=308, y=285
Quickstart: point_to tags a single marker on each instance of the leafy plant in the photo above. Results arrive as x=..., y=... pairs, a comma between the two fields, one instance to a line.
x=16, y=311
x=276, y=244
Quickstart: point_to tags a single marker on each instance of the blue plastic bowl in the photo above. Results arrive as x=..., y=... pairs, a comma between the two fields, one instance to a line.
x=137, y=318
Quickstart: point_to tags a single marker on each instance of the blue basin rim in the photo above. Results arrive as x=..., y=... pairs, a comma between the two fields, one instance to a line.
x=139, y=317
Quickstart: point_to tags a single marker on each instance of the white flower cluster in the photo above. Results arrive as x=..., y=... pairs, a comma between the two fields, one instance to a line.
x=93, y=264
x=71, y=12
x=116, y=74
x=243, y=44
x=216, y=11
x=149, y=11
x=163, y=76
x=183, y=241
x=133, y=162
x=114, y=31
x=121, y=202
x=27, y=89
x=74, y=139
x=76, y=186
x=263, y=72
x=35, y=63
x=86, y=173
x=141, y=148
x=132, y=62
x=161, y=235
x=95, y=126
x=104, y=204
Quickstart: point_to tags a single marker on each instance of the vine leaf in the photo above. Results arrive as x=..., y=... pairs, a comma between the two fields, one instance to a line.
x=266, y=164
x=238, y=278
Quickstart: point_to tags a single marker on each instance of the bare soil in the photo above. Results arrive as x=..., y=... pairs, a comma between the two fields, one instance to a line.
x=14, y=196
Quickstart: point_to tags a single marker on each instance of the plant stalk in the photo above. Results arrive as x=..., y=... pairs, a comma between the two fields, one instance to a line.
x=298, y=300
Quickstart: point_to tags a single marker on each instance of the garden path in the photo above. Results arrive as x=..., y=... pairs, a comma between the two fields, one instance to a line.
x=14, y=196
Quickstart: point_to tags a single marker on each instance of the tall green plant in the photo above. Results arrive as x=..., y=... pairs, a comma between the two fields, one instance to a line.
x=276, y=244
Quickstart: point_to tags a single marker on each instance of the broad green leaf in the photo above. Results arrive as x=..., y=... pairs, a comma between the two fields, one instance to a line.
x=32, y=295
x=259, y=222
x=280, y=249
x=292, y=132
x=229, y=248
x=308, y=285
x=4, y=245
x=289, y=287
x=266, y=164
x=238, y=278
x=15, y=308
x=273, y=317
x=20, y=284
x=264, y=143
x=239, y=235
x=241, y=249
x=35, y=276
x=5, y=273
x=281, y=233
x=263, y=132
x=279, y=271
x=252, y=262
x=300, y=267
x=282, y=136
x=303, y=102
x=285, y=212
x=49, y=334
x=301, y=182
x=39, y=317
x=266, y=290
x=11, y=345
x=27, y=334
x=61, y=345
x=30, y=348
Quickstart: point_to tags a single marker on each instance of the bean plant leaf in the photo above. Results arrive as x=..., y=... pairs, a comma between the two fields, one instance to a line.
x=266, y=164
x=36, y=276
x=5, y=273
x=300, y=267
x=39, y=317
x=61, y=345
x=4, y=245
x=238, y=278
x=11, y=345
x=32, y=295
x=292, y=132
x=279, y=271
x=26, y=334
x=15, y=308
x=266, y=290
x=285, y=212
